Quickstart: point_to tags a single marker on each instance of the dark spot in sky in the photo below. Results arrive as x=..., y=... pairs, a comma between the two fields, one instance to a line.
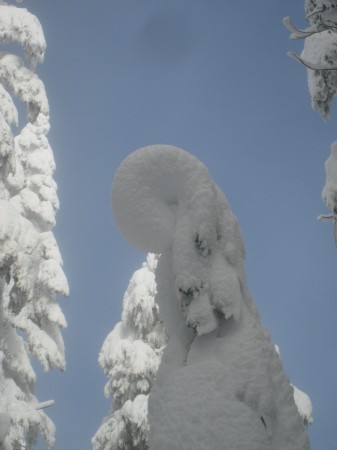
x=166, y=37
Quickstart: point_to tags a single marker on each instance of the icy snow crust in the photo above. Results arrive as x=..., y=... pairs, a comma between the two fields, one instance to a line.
x=220, y=384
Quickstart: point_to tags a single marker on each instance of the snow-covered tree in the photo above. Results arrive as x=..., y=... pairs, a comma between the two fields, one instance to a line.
x=319, y=54
x=127, y=427
x=320, y=57
x=220, y=383
x=31, y=272
x=130, y=357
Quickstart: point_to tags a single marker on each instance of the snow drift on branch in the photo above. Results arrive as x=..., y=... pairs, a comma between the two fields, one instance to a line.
x=19, y=25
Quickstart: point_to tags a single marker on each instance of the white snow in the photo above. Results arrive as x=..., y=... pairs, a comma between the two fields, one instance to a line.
x=130, y=357
x=329, y=193
x=220, y=383
x=19, y=25
x=30, y=262
x=304, y=405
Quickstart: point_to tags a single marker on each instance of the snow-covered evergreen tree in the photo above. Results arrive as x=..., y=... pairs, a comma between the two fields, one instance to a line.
x=130, y=357
x=319, y=54
x=31, y=272
x=220, y=383
x=320, y=57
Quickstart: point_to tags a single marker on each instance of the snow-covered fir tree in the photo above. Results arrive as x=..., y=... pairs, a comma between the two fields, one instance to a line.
x=31, y=272
x=220, y=383
x=320, y=57
x=130, y=357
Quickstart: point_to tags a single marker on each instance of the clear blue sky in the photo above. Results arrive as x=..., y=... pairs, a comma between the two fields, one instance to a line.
x=212, y=77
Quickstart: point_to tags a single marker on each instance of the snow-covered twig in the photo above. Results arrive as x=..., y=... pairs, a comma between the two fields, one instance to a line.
x=308, y=64
x=295, y=32
x=44, y=405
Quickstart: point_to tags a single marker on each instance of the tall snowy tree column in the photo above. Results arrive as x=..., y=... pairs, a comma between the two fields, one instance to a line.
x=31, y=272
x=220, y=384
x=320, y=57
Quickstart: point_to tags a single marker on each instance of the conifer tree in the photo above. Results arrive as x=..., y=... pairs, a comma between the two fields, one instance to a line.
x=320, y=57
x=130, y=357
x=31, y=272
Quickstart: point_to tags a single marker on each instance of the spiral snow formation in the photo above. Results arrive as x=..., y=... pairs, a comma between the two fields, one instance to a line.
x=149, y=187
x=164, y=198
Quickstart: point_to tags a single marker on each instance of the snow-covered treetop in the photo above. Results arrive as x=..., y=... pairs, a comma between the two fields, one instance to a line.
x=164, y=199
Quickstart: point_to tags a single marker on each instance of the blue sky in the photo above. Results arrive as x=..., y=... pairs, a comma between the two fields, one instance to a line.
x=213, y=78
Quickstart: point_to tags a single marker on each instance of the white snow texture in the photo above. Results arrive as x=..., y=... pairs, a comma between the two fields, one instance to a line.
x=220, y=384
x=31, y=272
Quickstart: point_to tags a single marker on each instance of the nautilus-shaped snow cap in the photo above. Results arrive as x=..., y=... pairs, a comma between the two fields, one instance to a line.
x=148, y=188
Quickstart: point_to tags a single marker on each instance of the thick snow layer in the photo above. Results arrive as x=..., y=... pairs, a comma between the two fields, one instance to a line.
x=164, y=198
x=19, y=25
x=146, y=212
x=304, y=405
x=220, y=384
x=25, y=84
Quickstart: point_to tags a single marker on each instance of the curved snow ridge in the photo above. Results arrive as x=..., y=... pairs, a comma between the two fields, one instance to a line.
x=151, y=187
x=164, y=198
x=19, y=25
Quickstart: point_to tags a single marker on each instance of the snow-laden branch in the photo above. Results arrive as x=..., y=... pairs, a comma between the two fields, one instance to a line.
x=27, y=256
x=44, y=405
x=19, y=25
x=25, y=85
x=309, y=64
x=297, y=33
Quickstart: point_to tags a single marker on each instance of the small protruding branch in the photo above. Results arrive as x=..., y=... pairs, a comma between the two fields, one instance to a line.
x=308, y=64
x=295, y=32
x=44, y=405
x=327, y=217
